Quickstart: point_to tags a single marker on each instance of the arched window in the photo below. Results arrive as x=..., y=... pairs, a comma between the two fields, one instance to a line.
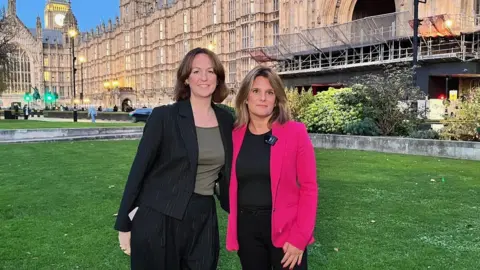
x=19, y=71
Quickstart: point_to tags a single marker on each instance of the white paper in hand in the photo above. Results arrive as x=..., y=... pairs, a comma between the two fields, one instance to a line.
x=132, y=213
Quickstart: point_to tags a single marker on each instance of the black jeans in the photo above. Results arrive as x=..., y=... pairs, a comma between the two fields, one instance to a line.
x=255, y=241
x=161, y=242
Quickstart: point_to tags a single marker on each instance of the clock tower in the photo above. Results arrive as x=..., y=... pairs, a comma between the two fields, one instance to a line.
x=55, y=11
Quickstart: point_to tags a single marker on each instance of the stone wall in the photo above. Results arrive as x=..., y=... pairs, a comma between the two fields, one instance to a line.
x=52, y=133
x=437, y=148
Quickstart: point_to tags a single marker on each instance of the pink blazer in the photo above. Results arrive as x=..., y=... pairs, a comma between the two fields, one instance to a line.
x=293, y=183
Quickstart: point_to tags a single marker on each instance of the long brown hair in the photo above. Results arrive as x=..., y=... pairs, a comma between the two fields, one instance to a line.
x=183, y=92
x=281, y=112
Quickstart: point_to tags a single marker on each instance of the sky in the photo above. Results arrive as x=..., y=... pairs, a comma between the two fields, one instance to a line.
x=89, y=13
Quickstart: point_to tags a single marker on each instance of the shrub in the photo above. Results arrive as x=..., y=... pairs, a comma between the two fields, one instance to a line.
x=227, y=108
x=299, y=102
x=464, y=125
x=365, y=127
x=327, y=113
x=425, y=134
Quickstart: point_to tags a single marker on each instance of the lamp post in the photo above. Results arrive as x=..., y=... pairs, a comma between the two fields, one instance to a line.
x=416, y=24
x=82, y=60
x=73, y=33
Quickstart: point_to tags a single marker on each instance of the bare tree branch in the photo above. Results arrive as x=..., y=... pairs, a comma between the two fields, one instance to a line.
x=7, y=33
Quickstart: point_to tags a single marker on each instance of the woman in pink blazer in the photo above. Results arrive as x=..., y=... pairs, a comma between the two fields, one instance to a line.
x=273, y=190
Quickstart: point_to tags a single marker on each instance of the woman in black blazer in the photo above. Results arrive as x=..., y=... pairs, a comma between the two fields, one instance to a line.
x=167, y=216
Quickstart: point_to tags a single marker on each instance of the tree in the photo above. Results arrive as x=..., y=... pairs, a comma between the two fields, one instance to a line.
x=7, y=32
x=389, y=99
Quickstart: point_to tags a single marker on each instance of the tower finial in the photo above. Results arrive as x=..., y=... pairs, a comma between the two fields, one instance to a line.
x=12, y=7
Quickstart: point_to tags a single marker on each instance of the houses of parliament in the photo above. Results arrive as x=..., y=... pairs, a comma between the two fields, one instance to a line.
x=132, y=58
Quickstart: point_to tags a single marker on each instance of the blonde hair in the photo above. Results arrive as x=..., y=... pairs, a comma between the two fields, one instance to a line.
x=281, y=112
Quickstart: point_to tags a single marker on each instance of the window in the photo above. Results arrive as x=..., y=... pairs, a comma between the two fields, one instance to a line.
x=275, y=5
x=232, y=71
x=46, y=76
x=141, y=37
x=162, y=53
x=252, y=36
x=161, y=31
x=247, y=36
x=142, y=60
x=45, y=61
x=127, y=62
x=214, y=11
x=245, y=66
x=231, y=10
x=231, y=41
x=162, y=79
x=142, y=82
x=245, y=8
x=108, y=48
x=275, y=33
x=185, y=24
x=186, y=47
x=127, y=41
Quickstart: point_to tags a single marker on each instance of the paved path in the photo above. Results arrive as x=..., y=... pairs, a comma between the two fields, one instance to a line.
x=71, y=120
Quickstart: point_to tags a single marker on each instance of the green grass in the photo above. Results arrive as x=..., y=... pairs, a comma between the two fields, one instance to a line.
x=57, y=212
x=35, y=124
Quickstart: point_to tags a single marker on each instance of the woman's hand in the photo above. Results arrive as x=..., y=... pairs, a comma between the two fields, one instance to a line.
x=292, y=256
x=124, y=239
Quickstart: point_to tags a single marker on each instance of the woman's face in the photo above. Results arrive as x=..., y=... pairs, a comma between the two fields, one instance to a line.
x=261, y=98
x=202, y=79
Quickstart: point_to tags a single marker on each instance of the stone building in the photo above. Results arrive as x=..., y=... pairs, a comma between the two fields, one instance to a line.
x=132, y=59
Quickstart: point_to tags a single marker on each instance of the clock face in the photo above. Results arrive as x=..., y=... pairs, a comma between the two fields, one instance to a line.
x=59, y=19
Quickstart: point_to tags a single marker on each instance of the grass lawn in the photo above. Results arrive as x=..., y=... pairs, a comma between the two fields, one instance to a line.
x=35, y=124
x=376, y=211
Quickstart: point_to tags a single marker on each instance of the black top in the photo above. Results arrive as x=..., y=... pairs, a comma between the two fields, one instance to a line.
x=253, y=172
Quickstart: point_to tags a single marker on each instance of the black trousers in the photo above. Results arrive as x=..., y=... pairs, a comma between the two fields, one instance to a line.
x=161, y=242
x=256, y=251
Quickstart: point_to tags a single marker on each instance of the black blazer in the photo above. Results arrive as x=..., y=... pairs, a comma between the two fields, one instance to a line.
x=164, y=170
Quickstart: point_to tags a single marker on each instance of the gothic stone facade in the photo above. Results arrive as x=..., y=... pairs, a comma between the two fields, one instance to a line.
x=134, y=57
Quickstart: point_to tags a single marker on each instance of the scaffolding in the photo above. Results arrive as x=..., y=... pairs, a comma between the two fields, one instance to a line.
x=375, y=40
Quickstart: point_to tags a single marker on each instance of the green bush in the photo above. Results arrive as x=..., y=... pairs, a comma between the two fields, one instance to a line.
x=299, y=102
x=227, y=108
x=365, y=127
x=465, y=124
x=328, y=114
x=425, y=134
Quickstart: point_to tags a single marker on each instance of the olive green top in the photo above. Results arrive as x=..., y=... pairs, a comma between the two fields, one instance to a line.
x=211, y=158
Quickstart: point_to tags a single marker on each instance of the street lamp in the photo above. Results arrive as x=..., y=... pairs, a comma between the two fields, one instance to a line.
x=212, y=45
x=82, y=60
x=416, y=24
x=73, y=33
x=449, y=23
x=106, y=85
